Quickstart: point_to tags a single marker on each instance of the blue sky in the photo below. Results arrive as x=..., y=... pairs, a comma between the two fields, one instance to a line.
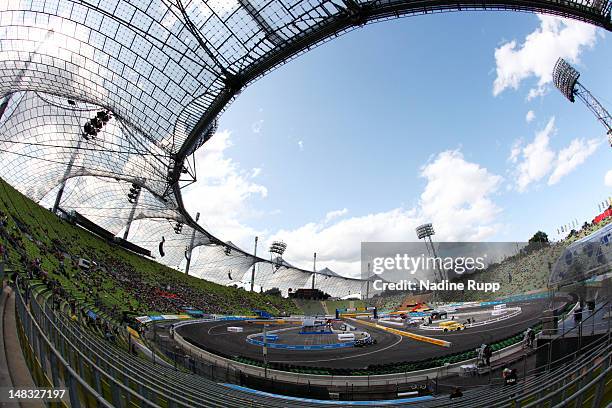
x=397, y=123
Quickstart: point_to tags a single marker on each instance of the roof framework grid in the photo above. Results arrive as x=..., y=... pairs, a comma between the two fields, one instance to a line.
x=165, y=70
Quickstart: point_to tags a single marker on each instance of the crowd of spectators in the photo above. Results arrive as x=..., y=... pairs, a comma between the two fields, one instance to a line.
x=587, y=229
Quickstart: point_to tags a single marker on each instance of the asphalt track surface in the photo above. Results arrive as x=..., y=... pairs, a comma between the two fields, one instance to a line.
x=390, y=348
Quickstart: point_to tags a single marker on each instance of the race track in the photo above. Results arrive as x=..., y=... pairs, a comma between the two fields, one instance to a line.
x=390, y=348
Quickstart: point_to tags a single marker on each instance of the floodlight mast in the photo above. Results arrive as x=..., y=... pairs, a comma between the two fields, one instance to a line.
x=368, y=282
x=277, y=248
x=133, y=198
x=426, y=231
x=565, y=78
x=423, y=232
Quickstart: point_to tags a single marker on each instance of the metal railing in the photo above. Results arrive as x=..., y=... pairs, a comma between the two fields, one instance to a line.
x=108, y=376
x=47, y=363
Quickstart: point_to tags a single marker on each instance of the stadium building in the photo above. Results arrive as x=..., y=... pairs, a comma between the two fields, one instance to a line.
x=115, y=296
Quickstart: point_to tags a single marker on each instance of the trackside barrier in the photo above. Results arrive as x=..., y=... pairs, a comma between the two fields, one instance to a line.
x=413, y=336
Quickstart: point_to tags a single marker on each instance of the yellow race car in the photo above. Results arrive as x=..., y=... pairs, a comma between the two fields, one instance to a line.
x=451, y=326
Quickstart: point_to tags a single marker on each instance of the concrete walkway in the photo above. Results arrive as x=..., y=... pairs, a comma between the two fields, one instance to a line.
x=14, y=372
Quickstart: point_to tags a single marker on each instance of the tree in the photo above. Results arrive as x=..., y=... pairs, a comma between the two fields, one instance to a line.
x=539, y=237
x=538, y=241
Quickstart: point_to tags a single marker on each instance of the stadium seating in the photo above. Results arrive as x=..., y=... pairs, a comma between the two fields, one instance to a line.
x=44, y=247
x=309, y=307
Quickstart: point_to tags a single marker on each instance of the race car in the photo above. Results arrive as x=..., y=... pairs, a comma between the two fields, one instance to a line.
x=451, y=326
x=365, y=342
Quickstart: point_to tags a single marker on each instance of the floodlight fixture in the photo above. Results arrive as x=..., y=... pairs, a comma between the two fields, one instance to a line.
x=425, y=230
x=97, y=123
x=278, y=247
x=134, y=193
x=565, y=78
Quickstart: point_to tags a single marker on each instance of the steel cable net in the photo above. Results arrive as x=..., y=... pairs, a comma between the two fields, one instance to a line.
x=163, y=70
x=149, y=233
x=223, y=265
x=104, y=201
x=160, y=64
x=45, y=132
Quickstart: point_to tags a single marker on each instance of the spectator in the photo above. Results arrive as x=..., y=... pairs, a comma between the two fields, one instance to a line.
x=456, y=393
x=487, y=352
x=529, y=337
x=509, y=375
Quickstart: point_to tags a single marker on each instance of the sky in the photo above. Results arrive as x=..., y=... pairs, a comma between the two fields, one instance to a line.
x=450, y=119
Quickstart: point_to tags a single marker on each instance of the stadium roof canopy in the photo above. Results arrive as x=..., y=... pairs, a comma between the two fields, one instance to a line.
x=165, y=70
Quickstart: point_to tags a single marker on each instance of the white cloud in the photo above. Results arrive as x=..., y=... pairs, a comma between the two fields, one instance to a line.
x=530, y=116
x=335, y=214
x=223, y=191
x=535, y=57
x=535, y=92
x=571, y=157
x=608, y=179
x=256, y=126
x=456, y=199
x=515, y=151
x=537, y=159
x=255, y=172
x=301, y=144
x=338, y=244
